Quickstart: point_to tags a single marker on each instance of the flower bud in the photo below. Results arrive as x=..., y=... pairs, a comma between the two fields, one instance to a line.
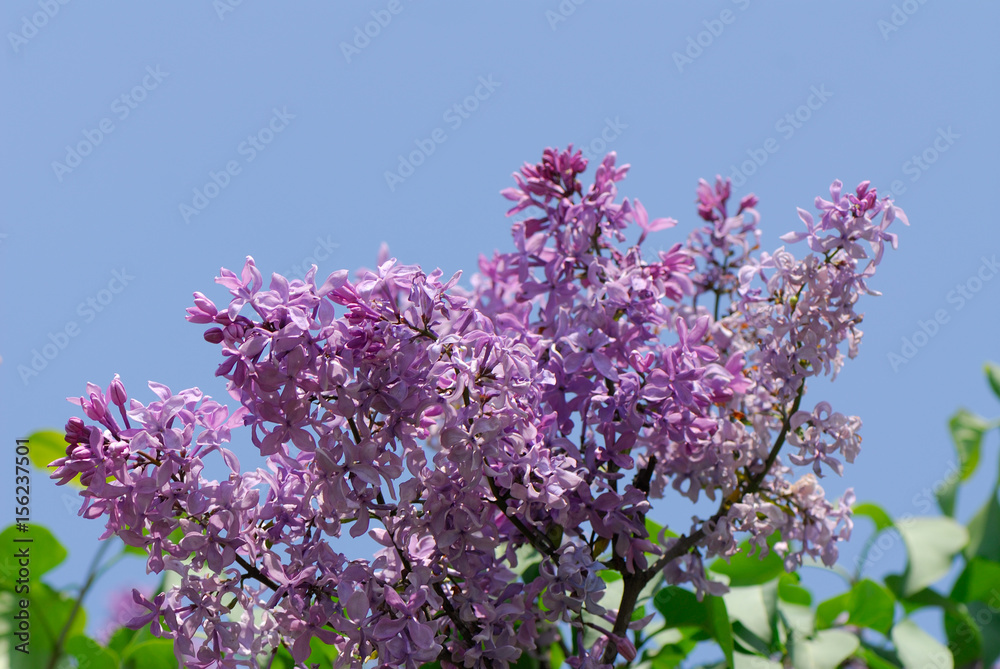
x=117, y=392
x=76, y=431
x=214, y=335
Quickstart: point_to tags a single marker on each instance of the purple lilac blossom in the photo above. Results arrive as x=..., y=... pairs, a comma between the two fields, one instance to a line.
x=573, y=385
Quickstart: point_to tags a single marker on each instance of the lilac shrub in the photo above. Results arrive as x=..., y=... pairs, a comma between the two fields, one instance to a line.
x=539, y=412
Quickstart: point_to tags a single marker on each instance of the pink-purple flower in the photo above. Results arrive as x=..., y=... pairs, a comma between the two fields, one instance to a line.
x=541, y=412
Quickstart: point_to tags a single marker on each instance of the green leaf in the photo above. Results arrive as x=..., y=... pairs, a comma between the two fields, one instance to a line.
x=965, y=641
x=827, y=612
x=556, y=655
x=790, y=591
x=121, y=638
x=978, y=582
x=871, y=605
x=754, y=662
x=748, y=640
x=947, y=495
x=670, y=654
x=531, y=572
x=875, y=657
x=931, y=543
x=967, y=431
x=754, y=608
x=46, y=446
x=877, y=514
x=984, y=540
x=152, y=654
x=798, y=620
x=993, y=376
x=681, y=608
x=985, y=615
x=91, y=654
x=45, y=553
x=526, y=661
x=654, y=529
x=919, y=599
x=825, y=651
x=744, y=569
x=50, y=610
x=719, y=626
x=917, y=649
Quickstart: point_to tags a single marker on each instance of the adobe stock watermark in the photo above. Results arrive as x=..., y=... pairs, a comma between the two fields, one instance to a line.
x=122, y=107
x=363, y=35
x=30, y=25
x=223, y=7
x=325, y=247
x=787, y=126
x=563, y=11
x=714, y=28
x=249, y=148
x=918, y=164
x=901, y=13
x=454, y=116
x=959, y=296
x=88, y=311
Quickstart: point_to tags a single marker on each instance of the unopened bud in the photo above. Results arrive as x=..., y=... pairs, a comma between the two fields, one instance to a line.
x=117, y=392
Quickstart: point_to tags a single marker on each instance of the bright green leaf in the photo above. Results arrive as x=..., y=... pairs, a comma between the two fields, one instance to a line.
x=754, y=608
x=790, y=591
x=985, y=615
x=526, y=661
x=874, y=659
x=744, y=569
x=917, y=649
x=719, y=626
x=47, y=446
x=681, y=608
x=45, y=553
x=51, y=611
x=531, y=572
x=654, y=529
x=747, y=640
x=978, y=582
x=931, y=543
x=798, y=620
x=947, y=495
x=984, y=540
x=993, y=376
x=671, y=654
x=754, y=662
x=152, y=654
x=556, y=655
x=965, y=640
x=91, y=654
x=827, y=612
x=876, y=513
x=872, y=606
x=825, y=651
x=121, y=638
x=967, y=431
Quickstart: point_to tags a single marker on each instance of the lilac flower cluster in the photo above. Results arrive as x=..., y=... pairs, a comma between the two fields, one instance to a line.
x=538, y=413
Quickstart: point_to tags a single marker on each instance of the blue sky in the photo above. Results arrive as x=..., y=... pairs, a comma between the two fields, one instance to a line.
x=148, y=145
